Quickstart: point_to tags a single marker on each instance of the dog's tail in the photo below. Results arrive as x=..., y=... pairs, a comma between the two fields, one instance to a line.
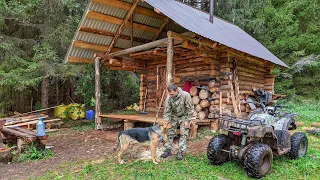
x=118, y=144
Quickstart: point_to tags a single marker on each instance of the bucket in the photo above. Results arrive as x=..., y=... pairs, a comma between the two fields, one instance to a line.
x=75, y=111
x=60, y=111
x=89, y=115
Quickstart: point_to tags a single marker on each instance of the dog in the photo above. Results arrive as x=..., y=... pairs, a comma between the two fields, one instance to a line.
x=145, y=136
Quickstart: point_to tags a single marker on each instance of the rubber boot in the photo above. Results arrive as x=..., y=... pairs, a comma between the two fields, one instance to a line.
x=179, y=155
x=166, y=153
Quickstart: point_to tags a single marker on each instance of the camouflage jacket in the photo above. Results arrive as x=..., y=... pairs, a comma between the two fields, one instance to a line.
x=179, y=107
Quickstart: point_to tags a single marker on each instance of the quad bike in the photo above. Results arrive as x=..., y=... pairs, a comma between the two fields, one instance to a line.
x=255, y=140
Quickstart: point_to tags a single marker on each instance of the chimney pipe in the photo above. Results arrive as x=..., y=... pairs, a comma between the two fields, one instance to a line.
x=211, y=10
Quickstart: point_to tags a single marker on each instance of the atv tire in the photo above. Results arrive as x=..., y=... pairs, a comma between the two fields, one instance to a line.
x=258, y=160
x=214, y=150
x=299, y=145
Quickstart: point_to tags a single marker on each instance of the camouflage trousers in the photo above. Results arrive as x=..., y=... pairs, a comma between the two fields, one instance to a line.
x=184, y=133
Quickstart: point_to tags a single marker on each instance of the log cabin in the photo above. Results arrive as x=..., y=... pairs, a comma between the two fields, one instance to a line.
x=167, y=41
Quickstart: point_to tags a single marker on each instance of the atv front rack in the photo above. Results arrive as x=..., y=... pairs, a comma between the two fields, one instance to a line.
x=237, y=125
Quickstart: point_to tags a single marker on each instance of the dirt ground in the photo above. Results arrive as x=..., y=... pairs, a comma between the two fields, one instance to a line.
x=74, y=146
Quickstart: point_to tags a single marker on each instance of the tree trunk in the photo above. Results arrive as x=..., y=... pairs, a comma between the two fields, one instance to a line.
x=45, y=93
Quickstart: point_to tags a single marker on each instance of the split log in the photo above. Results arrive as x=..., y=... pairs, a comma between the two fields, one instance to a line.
x=204, y=94
x=202, y=115
x=213, y=89
x=195, y=100
x=213, y=108
x=194, y=91
x=198, y=108
x=204, y=103
x=211, y=115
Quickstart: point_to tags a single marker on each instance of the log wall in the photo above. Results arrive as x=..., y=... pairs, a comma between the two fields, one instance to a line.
x=229, y=90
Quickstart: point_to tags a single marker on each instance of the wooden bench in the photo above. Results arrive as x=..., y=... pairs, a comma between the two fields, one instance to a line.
x=130, y=120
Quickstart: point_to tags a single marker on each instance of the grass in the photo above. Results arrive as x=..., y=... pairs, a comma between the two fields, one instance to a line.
x=198, y=167
x=34, y=154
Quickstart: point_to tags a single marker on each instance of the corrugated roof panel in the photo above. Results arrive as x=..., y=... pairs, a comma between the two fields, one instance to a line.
x=139, y=33
x=142, y=19
x=102, y=25
x=122, y=43
x=94, y=38
x=220, y=31
x=108, y=10
x=83, y=53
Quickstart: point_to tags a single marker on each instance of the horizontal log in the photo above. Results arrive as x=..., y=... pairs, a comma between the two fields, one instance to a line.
x=195, y=73
x=249, y=79
x=268, y=87
x=247, y=58
x=250, y=75
x=247, y=70
x=251, y=66
x=269, y=84
x=241, y=83
x=269, y=80
x=247, y=88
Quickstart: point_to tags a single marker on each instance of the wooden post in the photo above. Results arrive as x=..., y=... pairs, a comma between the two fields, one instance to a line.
x=169, y=59
x=97, y=92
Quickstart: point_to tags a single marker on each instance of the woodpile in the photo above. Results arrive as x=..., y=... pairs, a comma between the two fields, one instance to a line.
x=203, y=99
x=19, y=130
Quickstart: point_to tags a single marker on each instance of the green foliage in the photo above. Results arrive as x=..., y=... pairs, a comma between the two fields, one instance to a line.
x=32, y=153
x=118, y=89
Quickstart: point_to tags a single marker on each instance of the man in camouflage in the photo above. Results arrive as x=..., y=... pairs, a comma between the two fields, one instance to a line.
x=178, y=111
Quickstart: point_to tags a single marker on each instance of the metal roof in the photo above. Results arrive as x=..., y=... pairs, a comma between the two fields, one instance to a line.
x=220, y=31
x=184, y=15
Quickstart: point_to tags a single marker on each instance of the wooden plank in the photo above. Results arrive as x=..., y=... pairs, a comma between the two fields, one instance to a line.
x=124, y=22
x=134, y=118
x=92, y=46
x=107, y=33
x=126, y=6
x=115, y=20
x=32, y=122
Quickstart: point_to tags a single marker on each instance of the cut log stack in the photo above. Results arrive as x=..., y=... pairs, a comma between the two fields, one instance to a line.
x=203, y=99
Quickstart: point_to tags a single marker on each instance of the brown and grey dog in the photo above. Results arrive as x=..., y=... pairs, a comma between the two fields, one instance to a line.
x=145, y=136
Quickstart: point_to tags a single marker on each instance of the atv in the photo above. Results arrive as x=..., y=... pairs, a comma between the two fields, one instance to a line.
x=257, y=139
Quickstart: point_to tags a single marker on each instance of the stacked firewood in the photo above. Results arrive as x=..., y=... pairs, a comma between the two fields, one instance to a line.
x=205, y=102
